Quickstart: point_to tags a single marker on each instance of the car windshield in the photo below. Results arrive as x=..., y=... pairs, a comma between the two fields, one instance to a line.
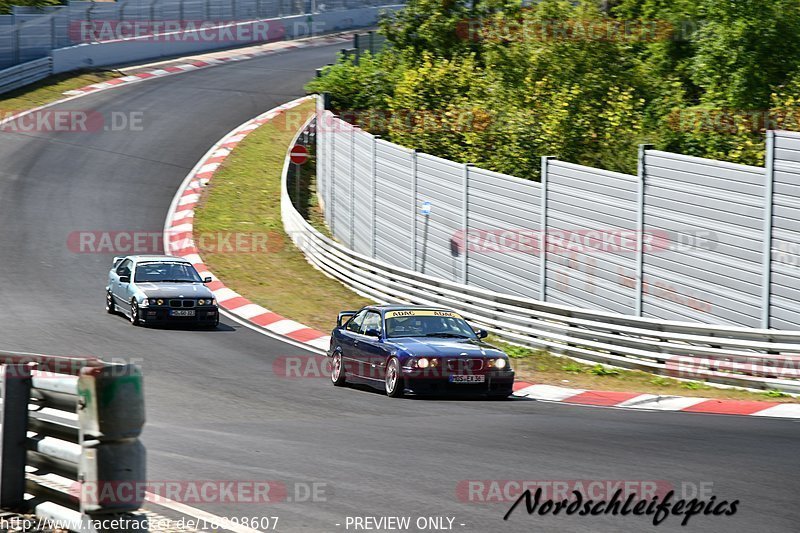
x=172, y=272
x=423, y=323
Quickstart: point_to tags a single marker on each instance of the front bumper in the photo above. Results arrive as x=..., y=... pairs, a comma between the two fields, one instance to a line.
x=203, y=316
x=497, y=383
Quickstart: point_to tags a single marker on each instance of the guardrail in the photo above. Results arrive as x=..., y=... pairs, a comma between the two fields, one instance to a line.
x=20, y=75
x=69, y=431
x=743, y=357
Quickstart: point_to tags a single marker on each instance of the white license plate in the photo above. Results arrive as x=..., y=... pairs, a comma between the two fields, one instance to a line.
x=467, y=379
x=181, y=312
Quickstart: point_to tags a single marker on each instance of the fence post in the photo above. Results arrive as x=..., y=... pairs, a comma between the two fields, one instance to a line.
x=766, y=271
x=543, y=231
x=332, y=180
x=414, y=210
x=352, y=187
x=374, y=207
x=16, y=54
x=16, y=381
x=465, y=224
x=641, y=174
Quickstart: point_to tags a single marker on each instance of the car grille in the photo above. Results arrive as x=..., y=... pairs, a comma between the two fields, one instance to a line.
x=181, y=303
x=464, y=365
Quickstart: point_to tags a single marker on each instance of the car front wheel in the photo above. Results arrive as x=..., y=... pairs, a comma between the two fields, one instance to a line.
x=135, y=313
x=394, y=379
x=338, y=375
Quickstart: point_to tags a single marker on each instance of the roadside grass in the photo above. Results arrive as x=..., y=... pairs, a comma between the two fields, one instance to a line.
x=539, y=366
x=244, y=196
x=50, y=89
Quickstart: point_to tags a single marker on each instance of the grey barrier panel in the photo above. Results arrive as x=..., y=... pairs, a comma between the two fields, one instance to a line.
x=785, y=246
x=328, y=147
x=711, y=215
x=503, y=219
x=393, y=206
x=343, y=183
x=362, y=160
x=591, y=244
x=440, y=183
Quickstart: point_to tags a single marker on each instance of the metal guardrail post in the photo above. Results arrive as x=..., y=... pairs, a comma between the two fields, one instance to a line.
x=543, y=231
x=465, y=224
x=414, y=210
x=111, y=417
x=641, y=174
x=766, y=270
x=16, y=383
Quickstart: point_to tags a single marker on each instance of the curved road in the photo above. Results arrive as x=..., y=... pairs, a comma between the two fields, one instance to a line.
x=216, y=411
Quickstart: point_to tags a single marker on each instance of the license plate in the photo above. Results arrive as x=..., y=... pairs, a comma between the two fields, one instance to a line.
x=181, y=312
x=467, y=379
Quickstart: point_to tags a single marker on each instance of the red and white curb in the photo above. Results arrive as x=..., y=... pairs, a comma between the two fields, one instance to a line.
x=653, y=402
x=211, y=60
x=178, y=238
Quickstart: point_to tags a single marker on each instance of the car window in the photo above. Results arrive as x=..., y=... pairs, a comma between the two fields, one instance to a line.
x=124, y=269
x=427, y=326
x=371, y=321
x=355, y=323
x=160, y=272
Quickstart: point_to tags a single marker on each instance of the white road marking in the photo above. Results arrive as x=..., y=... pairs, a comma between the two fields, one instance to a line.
x=156, y=499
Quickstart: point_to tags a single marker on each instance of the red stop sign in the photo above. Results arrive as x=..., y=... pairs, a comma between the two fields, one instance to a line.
x=299, y=154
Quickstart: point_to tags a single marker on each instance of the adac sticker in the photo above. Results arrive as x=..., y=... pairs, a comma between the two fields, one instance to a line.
x=421, y=312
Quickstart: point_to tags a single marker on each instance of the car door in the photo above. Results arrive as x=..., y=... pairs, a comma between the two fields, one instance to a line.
x=347, y=342
x=369, y=347
x=119, y=288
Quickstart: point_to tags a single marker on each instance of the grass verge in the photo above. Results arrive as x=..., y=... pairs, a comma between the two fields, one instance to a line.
x=50, y=89
x=539, y=366
x=244, y=196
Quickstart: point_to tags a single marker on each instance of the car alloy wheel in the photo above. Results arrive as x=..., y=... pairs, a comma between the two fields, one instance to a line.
x=111, y=307
x=338, y=375
x=394, y=380
x=134, y=313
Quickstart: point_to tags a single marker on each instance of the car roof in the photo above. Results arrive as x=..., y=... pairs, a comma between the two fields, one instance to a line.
x=157, y=258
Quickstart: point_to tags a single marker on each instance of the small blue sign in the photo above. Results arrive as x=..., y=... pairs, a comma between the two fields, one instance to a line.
x=426, y=208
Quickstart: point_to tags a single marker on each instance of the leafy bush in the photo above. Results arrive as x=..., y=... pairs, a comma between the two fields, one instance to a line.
x=498, y=85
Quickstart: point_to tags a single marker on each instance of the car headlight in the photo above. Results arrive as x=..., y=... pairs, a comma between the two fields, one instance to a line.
x=145, y=302
x=499, y=364
x=201, y=302
x=160, y=302
x=423, y=362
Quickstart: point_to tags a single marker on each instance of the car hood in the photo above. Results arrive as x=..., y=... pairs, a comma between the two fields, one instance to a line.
x=442, y=347
x=175, y=290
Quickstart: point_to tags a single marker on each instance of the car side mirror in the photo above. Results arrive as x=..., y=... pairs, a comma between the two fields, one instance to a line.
x=124, y=279
x=207, y=279
x=482, y=333
x=372, y=332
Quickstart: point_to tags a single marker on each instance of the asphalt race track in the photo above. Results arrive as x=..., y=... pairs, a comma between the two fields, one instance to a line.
x=215, y=409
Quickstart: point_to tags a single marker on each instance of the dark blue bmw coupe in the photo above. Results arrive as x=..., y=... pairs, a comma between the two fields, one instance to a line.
x=419, y=350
